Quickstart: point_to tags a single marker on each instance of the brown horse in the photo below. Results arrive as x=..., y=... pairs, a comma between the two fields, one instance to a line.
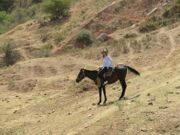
x=119, y=73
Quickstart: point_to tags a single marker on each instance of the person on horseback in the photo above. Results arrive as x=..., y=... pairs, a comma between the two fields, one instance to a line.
x=107, y=64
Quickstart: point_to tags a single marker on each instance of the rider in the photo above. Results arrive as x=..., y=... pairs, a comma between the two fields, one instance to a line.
x=107, y=64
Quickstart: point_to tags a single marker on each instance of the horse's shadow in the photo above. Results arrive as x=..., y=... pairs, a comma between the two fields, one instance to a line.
x=111, y=103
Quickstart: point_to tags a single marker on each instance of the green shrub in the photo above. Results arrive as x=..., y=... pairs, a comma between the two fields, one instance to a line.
x=172, y=12
x=148, y=26
x=21, y=14
x=44, y=37
x=84, y=38
x=56, y=8
x=177, y=2
x=153, y=23
x=5, y=17
x=47, y=47
x=10, y=55
x=40, y=53
x=58, y=37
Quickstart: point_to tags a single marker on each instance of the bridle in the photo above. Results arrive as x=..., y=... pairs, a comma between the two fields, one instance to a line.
x=83, y=73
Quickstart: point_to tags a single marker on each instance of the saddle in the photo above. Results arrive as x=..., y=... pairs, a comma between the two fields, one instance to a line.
x=109, y=72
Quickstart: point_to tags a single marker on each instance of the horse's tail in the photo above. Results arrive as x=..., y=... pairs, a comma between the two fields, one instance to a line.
x=133, y=70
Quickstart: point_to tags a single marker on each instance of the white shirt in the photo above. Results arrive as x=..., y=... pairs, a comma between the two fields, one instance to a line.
x=107, y=62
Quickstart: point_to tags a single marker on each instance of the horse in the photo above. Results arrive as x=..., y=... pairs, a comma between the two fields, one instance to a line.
x=118, y=73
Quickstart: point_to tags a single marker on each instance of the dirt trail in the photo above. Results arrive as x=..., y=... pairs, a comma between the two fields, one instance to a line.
x=40, y=97
x=171, y=39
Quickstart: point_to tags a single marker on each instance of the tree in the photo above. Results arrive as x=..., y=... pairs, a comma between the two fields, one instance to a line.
x=6, y=4
x=56, y=8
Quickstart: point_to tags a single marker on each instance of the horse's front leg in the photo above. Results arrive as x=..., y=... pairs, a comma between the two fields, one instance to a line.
x=104, y=91
x=100, y=93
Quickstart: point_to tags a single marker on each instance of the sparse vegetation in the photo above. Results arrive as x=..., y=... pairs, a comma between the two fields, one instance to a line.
x=170, y=15
x=84, y=38
x=14, y=12
x=5, y=20
x=58, y=37
x=10, y=56
x=150, y=25
x=44, y=51
x=173, y=11
x=44, y=37
x=56, y=8
x=130, y=35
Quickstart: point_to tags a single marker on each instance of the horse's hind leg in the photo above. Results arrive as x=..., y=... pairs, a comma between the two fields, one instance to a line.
x=124, y=85
x=104, y=91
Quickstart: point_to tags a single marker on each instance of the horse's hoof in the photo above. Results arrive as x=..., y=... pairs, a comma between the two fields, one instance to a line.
x=98, y=103
x=122, y=98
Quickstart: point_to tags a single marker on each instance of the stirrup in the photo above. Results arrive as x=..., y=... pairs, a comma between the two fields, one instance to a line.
x=105, y=83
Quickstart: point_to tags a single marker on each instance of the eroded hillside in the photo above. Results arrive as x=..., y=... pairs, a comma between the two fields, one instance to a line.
x=39, y=94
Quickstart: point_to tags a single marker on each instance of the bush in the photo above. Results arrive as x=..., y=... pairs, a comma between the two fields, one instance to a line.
x=37, y=1
x=173, y=11
x=21, y=14
x=150, y=25
x=56, y=8
x=10, y=55
x=5, y=17
x=6, y=5
x=58, y=37
x=84, y=38
x=177, y=2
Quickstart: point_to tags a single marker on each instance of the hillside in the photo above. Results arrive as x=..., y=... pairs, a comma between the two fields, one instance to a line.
x=39, y=95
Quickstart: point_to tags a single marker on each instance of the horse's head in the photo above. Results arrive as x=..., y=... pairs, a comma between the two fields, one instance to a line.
x=80, y=76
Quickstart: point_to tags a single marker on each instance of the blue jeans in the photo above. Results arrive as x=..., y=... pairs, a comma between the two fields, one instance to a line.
x=101, y=72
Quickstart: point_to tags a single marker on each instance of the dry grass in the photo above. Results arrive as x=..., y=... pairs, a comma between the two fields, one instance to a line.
x=40, y=96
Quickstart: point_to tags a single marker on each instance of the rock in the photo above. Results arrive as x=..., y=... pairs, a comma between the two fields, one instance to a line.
x=15, y=111
x=133, y=100
x=51, y=112
x=150, y=119
x=150, y=103
x=90, y=115
x=93, y=104
x=89, y=108
x=144, y=130
x=38, y=121
x=178, y=87
x=170, y=92
x=163, y=107
x=148, y=94
x=102, y=37
x=177, y=92
x=69, y=113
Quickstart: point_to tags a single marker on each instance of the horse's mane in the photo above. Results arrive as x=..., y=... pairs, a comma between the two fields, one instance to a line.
x=90, y=70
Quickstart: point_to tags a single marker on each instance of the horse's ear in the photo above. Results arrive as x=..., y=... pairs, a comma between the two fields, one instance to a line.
x=82, y=69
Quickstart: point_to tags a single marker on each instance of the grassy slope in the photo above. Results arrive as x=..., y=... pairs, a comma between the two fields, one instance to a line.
x=39, y=96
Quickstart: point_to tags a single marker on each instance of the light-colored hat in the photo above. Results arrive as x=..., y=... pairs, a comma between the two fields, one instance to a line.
x=105, y=50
